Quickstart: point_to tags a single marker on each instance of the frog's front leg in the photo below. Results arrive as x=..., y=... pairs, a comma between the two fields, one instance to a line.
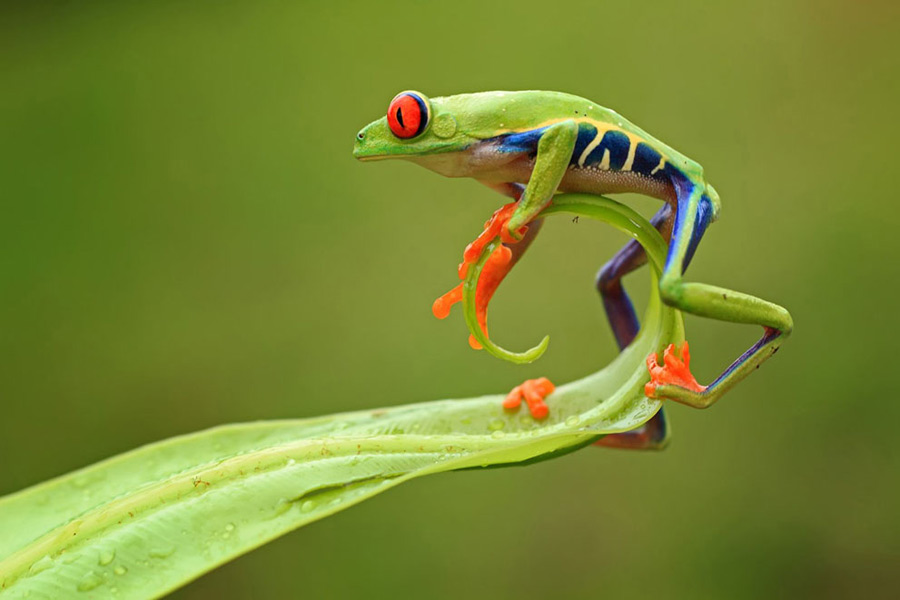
x=554, y=151
x=693, y=213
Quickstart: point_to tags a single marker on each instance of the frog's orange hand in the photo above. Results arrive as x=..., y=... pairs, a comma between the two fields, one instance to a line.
x=533, y=391
x=495, y=269
x=675, y=371
x=493, y=227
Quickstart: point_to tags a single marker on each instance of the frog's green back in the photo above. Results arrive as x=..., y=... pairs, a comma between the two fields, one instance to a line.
x=485, y=115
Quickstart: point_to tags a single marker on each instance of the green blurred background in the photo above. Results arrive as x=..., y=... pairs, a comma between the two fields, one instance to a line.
x=186, y=241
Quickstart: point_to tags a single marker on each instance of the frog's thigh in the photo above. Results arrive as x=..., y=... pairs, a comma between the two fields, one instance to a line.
x=619, y=309
x=652, y=435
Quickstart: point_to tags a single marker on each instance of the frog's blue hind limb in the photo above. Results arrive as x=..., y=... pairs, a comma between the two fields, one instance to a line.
x=619, y=309
x=697, y=205
x=655, y=434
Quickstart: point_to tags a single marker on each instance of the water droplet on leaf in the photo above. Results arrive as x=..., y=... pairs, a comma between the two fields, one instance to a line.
x=90, y=581
x=283, y=506
x=162, y=552
x=41, y=564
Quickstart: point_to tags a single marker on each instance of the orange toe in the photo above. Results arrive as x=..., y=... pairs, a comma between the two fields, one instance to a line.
x=673, y=371
x=494, y=271
x=533, y=391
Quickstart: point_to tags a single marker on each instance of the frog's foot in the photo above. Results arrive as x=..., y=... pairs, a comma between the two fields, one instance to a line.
x=493, y=227
x=495, y=269
x=492, y=274
x=675, y=371
x=533, y=391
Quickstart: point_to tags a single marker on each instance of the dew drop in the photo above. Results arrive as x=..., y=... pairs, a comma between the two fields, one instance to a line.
x=498, y=434
x=106, y=557
x=307, y=506
x=496, y=424
x=40, y=565
x=229, y=527
x=572, y=421
x=90, y=581
x=163, y=552
x=283, y=506
x=291, y=462
x=120, y=570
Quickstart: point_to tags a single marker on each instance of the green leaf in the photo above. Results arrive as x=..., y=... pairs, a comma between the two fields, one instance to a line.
x=596, y=207
x=146, y=522
x=470, y=285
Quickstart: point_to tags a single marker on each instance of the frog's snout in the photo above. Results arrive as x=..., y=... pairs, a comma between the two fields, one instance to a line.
x=358, y=151
x=357, y=147
x=367, y=146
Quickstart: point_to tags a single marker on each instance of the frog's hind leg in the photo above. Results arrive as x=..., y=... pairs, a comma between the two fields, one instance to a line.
x=694, y=211
x=653, y=435
x=619, y=309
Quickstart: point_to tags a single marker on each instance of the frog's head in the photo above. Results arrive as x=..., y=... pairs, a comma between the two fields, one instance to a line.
x=414, y=127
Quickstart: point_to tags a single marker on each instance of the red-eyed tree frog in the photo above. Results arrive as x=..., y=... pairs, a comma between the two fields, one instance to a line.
x=530, y=145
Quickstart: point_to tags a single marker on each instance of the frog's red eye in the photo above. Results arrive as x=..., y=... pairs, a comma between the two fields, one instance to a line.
x=407, y=115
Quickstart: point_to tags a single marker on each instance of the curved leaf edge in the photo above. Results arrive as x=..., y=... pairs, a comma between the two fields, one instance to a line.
x=229, y=459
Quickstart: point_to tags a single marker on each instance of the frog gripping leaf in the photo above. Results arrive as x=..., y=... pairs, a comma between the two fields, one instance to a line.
x=533, y=145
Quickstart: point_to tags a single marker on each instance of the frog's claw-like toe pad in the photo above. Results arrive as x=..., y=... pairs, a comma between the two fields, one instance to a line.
x=674, y=371
x=533, y=391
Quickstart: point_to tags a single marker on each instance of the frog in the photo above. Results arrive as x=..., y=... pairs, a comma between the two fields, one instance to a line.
x=532, y=145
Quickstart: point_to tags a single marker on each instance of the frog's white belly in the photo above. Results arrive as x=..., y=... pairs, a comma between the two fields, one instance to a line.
x=486, y=163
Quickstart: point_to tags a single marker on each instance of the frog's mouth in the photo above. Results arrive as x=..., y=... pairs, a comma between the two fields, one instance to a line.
x=367, y=151
x=375, y=151
x=370, y=157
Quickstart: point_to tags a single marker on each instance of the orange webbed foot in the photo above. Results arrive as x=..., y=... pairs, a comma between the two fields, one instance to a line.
x=674, y=371
x=495, y=269
x=495, y=226
x=533, y=391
